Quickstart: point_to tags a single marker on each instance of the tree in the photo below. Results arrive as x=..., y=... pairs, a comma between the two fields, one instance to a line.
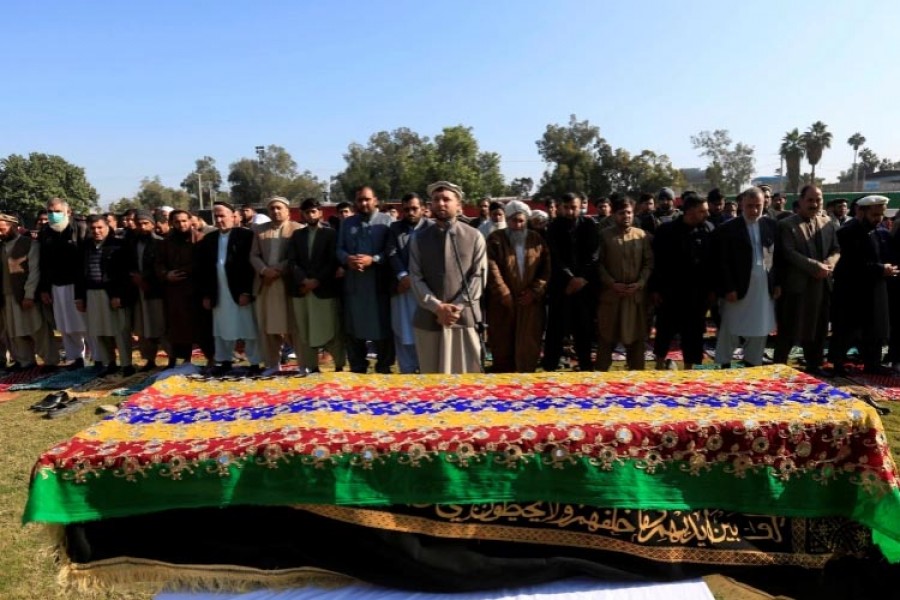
x=457, y=158
x=869, y=161
x=26, y=184
x=816, y=139
x=792, y=150
x=273, y=173
x=729, y=168
x=393, y=163
x=210, y=177
x=856, y=141
x=571, y=152
x=520, y=186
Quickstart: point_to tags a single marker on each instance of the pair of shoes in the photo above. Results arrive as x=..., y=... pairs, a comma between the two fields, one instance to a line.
x=128, y=371
x=50, y=401
x=71, y=405
x=106, y=409
x=76, y=364
x=149, y=366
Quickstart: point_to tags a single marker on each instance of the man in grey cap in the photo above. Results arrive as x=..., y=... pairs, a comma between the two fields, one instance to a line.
x=665, y=205
x=860, y=300
x=447, y=261
x=149, y=320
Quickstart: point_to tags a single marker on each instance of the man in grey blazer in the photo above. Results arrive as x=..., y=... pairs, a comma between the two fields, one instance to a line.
x=807, y=253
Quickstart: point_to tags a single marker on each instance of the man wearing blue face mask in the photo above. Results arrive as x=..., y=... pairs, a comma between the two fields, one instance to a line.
x=60, y=262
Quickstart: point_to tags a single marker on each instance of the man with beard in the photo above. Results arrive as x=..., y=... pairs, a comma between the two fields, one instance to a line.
x=403, y=299
x=484, y=213
x=573, y=240
x=518, y=272
x=361, y=251
x=837, y=209
x=744, y=250
x=149, y=313
x=624, y=262
x=860, y=311
x=496, y=220
x=225, y=276
x=716, y=202
x=60, y=249
x=776, y=209
x=446, y=265
x=24, y=321
x=186, y=322
x=311, y=272
x=680, y=285
x=274, y=316
x=665, y=205
x=101, y=291
x=809, y=250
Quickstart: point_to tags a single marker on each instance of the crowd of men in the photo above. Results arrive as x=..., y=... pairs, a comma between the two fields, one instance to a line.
x=429, y=290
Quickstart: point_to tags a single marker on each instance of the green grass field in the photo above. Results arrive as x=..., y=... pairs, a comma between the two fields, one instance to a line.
x=27, y=569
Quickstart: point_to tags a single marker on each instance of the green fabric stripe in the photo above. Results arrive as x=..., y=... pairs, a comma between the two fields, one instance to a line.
x=54, y=499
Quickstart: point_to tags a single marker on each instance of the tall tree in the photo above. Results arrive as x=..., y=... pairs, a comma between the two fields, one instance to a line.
x=27, y=183
x=792, y=150
x=520, y=186
x=393, y=163
x=571, y=153
x=273, y=173
x=816, y=139
x=457, y=158
x=869, y=161
x=729, y=168
x=209, y=177
x=856, y=141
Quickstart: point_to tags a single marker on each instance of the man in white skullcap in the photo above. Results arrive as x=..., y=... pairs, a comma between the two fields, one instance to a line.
x=447, y=261
x=274, y=313
x=518, y=272
x=859, y=314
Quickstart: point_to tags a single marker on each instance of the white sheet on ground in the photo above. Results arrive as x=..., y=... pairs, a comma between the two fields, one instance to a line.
x=569, y=589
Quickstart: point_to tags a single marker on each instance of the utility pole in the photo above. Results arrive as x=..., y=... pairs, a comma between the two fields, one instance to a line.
x=260, y=154
x=200, y=189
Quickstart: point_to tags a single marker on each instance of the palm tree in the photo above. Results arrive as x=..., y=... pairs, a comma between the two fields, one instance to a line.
x=856, y=140
x=792, y=150
x=816, y=139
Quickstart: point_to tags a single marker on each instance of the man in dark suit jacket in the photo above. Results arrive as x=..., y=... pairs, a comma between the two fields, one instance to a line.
x=149, y=321
x=572, y=291
x=744, y=250
x=311, y=280
x=226, y=284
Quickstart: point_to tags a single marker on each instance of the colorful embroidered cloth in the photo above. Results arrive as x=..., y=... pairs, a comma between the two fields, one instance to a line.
x=58, y=381
x=768, y=440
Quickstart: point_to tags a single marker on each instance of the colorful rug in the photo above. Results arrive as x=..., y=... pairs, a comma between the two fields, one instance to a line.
x=884, y=386
x=60, y=380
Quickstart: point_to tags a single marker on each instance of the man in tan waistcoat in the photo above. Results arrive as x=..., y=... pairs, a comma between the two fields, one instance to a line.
x=518, y=272
x=268, y=256
x=625, y=261
x=447, y=261
x=24, y=320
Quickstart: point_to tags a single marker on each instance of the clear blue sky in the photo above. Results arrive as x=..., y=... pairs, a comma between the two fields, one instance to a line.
x=134, y=89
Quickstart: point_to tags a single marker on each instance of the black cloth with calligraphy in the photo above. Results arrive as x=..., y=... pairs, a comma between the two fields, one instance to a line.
x=502, y=545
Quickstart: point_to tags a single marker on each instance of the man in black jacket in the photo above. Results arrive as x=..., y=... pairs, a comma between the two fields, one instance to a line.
x=60, y=263
x=681, y=284
x=149, y=313
x=312, y=282
x=226, y=283
x=744, y=251
x=101, y=291
x=572, y=302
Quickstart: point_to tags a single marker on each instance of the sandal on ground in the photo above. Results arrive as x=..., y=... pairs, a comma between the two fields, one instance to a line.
x=68, y=407
x=50, y=401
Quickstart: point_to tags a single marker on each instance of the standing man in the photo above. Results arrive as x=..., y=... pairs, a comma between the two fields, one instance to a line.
x=496, y=220
x=809, y=251
x=716, y=202
x=225, y=276
x=681, y=283
x=361, y=251
x=573, y=242
x=838, y=211
x=101, y=291
x=249, y=217
x=776, y=210
x=60, y=247
x=447, y=261
x=403, y=299
x=645, y=218
x=25, y=322
x=187, y=323
x=311, y=277
x=860, y=312
x=665, y=205
x=484, y=213
x=744, y=249
x=147, y=289
x=518, y=272
x=625, y=261
x=274, y=315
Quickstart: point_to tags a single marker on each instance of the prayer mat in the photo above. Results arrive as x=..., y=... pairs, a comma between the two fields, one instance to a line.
x=336, y=457
x=25, y=376
x=60, y=380
x=102, y=386
x=884, y=386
